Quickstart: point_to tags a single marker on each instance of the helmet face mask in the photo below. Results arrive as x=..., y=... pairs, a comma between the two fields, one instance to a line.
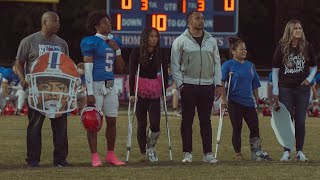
x=53, y=84
x=92, y=118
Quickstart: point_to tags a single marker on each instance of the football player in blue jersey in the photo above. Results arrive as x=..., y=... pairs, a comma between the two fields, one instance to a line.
x=315, y=87
x=11, y=89
x=313, y=110
x=101, y=54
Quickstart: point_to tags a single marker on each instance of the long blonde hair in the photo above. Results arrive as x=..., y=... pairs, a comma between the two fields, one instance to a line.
x=285, y=41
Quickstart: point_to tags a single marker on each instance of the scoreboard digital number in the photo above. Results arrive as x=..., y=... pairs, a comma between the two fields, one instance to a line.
x=130, y=17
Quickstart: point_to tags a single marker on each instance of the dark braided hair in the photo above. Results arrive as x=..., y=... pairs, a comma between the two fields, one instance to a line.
x=144, y=57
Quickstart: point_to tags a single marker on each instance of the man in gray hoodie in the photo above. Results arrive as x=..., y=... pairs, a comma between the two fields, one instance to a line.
x=195, y=64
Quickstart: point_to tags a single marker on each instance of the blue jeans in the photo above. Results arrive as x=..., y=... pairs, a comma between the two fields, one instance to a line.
x=296, y=101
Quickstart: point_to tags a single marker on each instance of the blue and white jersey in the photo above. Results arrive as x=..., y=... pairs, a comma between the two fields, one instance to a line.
x=103, y=56
x=243, y=81
x=9, y=76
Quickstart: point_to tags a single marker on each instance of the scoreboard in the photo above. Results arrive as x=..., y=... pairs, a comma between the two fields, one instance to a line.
x=130, y=17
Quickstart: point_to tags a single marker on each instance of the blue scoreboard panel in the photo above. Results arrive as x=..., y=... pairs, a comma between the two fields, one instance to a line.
x=130, y=17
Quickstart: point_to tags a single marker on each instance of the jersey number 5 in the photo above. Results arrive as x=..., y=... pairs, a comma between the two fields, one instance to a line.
x=109, y=61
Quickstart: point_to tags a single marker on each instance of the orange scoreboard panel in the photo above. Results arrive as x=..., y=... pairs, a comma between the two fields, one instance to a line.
x=130, y=17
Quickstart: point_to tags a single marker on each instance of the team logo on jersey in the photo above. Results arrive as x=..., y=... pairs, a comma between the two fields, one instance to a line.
x=53, y=84
x=251, y=71
x=45, y=48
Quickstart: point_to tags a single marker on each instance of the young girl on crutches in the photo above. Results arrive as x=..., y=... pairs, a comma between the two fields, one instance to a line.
x=149, y=90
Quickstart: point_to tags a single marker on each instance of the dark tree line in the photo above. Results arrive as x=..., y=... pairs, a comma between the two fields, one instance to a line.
x=261, y=24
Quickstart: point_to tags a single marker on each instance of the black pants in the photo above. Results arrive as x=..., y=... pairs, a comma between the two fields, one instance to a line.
x=152, y=107
x=237, y=112
x=202, y=97
x=60, y=138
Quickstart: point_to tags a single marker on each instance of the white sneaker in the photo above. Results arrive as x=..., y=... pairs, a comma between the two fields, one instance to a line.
x=286, y=156
x=177, y=113
x=208, y=158
x=187, y=157
x=301, y=156
x=152, y=155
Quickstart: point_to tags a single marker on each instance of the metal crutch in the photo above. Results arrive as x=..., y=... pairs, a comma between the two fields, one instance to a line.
x=130, y=120
x=166, y=113
x=222, y=112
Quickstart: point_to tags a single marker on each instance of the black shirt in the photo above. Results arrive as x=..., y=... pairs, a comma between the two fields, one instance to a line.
x=296, y=69
x=199, y=39
x=148, y=70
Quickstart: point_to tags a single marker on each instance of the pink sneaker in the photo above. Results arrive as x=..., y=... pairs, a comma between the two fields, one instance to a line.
x=112, y=159
x=95, y=160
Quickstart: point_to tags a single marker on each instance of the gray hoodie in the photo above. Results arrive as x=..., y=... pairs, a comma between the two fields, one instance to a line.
x=193, y=64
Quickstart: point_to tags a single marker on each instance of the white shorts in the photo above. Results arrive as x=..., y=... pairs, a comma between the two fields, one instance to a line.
x=106, y=98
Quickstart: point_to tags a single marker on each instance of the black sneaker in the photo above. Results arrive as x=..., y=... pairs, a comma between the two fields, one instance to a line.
x=33, y=164
x=62, y=164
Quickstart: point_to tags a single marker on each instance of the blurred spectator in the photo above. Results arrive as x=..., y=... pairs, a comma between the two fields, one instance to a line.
x=11, y=90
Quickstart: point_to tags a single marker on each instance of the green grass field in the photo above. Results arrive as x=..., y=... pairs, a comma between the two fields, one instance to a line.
x=13, y=150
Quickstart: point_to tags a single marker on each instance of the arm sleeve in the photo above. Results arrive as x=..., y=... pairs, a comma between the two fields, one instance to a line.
x=217, y=64
x=133, y=66
x=313, y=72
x=176, y=62
x=312, y=63
x=275, y=81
